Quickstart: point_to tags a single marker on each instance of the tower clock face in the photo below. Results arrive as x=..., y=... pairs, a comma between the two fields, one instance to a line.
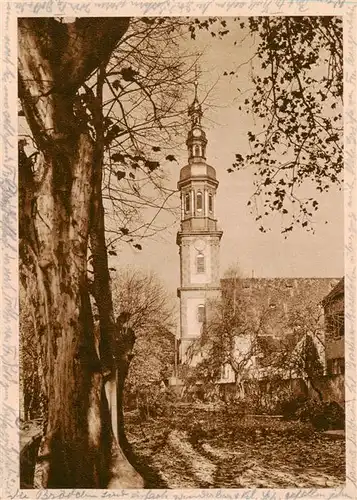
x=196, y=132
x=199, y=245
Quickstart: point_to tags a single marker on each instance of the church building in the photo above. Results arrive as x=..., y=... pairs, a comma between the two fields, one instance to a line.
x=199, y=236
x=199, y=247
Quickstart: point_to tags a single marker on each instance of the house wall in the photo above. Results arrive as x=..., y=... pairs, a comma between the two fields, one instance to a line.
x=334, y=308
x=331, y=386
x=335, y=348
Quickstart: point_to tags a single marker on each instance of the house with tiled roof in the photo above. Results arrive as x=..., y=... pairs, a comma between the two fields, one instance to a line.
x=334, y=313
x=292, y=309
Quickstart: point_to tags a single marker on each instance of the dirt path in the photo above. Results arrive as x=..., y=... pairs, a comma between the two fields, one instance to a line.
x=183, y=464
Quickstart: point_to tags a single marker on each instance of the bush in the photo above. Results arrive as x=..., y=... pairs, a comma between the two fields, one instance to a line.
x=155, y=403
x=323, y=416
x=290, y=407
x=236, y=409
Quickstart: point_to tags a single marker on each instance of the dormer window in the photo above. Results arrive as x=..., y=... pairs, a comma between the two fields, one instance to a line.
x=200, y=263
x=199, y=201
x=187, y=202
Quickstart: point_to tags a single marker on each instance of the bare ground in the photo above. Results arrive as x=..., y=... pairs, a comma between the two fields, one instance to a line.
x=201, y=448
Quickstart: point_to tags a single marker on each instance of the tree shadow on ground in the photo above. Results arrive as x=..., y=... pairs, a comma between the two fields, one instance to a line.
x=152, y=478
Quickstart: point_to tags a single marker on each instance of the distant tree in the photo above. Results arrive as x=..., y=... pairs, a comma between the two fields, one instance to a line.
x=149, y=313
x=151, y=368
x=229, y=335
x=301, y=352
x=143, y=297
x=296, y=102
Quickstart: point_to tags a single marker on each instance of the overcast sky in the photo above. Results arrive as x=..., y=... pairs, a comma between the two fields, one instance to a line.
x=269, y=254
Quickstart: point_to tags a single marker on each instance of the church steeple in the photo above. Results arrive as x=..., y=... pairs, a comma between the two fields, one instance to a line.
x=196, y=139
x=199, y=236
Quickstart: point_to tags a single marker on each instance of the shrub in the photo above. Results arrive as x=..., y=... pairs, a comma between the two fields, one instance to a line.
x=236, y=408
x=290, y=407
x=322, y=415
x=154, y=403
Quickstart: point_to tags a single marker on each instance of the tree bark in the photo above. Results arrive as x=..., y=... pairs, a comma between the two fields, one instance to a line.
x=56, y=196
x=113, y=337
x=124, y=356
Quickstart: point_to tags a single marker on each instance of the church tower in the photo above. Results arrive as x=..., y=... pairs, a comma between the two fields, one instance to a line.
x=199, y=236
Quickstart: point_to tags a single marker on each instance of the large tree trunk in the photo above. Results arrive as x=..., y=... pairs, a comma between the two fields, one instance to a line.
x=124, y=357
x=56, y=196
x=112, y=336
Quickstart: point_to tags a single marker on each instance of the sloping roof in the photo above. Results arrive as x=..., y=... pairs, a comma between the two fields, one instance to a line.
x=279, y=299
x=339, y=289
x=282, y=290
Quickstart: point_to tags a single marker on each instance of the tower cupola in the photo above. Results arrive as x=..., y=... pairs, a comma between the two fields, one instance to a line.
x=198, y=181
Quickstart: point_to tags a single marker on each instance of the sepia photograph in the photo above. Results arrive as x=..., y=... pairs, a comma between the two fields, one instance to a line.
x=181, y=252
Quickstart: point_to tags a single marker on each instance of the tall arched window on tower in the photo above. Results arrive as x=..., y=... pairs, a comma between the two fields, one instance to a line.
x=197, y=150
x=201, y=313
x=187, y=202
x=199, y=201
x=210, y=202
x=200, y=263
